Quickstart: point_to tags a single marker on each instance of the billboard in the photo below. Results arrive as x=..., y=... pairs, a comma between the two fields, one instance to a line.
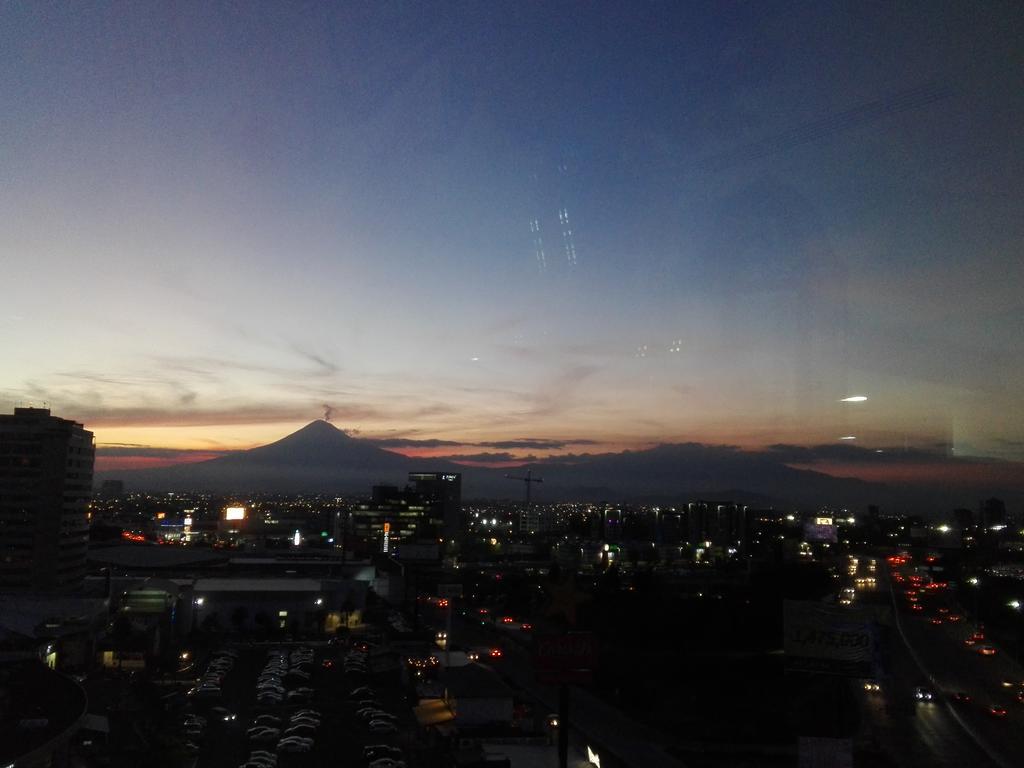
x=820, y=529
x=830, y=640
x=234, y=513
x=567, y=658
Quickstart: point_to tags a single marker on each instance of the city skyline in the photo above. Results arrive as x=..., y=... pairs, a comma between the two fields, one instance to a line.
x=486, y=229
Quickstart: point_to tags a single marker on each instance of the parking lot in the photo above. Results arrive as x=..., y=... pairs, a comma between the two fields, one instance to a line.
x=298, y=705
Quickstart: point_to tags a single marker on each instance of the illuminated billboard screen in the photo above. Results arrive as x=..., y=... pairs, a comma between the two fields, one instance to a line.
x=234, y=513
x=820, y=529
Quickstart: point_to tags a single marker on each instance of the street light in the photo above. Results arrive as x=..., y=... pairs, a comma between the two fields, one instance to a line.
x=1015, y=604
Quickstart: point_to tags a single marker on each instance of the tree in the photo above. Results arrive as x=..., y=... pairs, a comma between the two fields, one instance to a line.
x=211, y=623
x=239, y=617
x=121, y=632
x=346, y=609
x=262, y=621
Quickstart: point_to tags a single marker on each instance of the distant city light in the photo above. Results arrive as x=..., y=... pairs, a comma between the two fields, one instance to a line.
x=234, y=513
x=854, y=399
x=943, y=528
x=296, y=538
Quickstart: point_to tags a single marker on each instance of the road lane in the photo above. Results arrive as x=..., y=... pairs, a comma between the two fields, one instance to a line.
x=954, y=667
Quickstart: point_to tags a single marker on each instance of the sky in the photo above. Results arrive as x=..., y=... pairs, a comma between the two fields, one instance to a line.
x=550, y=227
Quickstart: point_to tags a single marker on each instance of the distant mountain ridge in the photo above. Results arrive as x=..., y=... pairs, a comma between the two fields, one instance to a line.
x=320, y=458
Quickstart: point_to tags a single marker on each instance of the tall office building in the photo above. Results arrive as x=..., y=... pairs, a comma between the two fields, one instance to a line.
x=45, y=485
x=724, y=524
x=444, y=488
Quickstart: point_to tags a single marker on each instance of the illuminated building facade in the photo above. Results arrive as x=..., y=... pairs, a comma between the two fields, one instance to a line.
x=394, y=516
x=444, y=489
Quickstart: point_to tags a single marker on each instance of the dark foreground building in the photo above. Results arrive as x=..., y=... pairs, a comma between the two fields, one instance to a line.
x=46, y=468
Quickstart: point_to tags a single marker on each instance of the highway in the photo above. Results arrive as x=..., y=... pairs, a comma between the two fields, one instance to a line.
x=912, y=734
x=945, y=732
x=954, y=666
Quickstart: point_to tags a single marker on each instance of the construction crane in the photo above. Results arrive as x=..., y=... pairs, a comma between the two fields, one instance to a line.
x=529, y=480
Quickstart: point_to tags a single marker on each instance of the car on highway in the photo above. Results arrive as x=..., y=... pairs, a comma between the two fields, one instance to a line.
x=923, y=694
x=987, y=650
x=872, y=685
x=936, y=620
x=996, y=710
x=382, y=726
x=960, y=697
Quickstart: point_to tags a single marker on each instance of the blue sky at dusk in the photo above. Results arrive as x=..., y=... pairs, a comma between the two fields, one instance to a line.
x=478, y=222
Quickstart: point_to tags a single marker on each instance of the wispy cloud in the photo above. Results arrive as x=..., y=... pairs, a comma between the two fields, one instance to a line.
x=486, y=457
x=534, y=443
x=409, y=442
x=149, y=452
x=322, y=364
x=524, y=443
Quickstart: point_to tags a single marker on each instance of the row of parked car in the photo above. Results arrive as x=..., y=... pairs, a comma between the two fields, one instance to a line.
x=281, y=669
x=383, y=756
x=371, y=711
x=209, y=685
x=294, y=734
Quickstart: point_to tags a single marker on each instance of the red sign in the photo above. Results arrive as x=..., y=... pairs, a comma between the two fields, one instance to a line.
x=571, y=651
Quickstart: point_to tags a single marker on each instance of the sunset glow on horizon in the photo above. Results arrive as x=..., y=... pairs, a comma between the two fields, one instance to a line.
x=478, y=229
